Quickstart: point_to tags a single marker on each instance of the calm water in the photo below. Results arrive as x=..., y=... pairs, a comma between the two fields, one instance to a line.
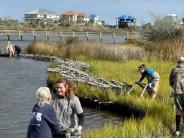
x=19, y=80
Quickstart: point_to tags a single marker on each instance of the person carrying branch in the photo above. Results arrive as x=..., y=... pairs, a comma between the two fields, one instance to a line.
x=152, y=77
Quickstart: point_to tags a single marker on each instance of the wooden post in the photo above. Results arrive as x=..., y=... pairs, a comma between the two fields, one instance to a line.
x=114, y=38
x=87, y=37
x=73, y=34
x=61, y=35
x=7, y=35
x=126, y=38
x=20, y=36
x=100, y=37
x=46, y=35
x=33, y=35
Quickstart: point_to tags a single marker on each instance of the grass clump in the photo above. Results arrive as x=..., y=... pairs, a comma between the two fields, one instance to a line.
x=159, y=119
x=74, y=48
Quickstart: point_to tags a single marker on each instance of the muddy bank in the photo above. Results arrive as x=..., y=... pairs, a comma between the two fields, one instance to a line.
x=113, y=107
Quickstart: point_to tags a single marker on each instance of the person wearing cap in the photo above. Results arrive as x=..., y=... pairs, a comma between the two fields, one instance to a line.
x=176, y=81
x=152, y=77
x=10, y=49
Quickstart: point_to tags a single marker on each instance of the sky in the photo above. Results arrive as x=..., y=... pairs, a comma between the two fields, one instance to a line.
x=108, y=10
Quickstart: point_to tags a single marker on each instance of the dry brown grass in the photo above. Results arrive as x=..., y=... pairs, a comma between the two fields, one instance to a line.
x=44, y=48
x=168, y=49
x=75, y=48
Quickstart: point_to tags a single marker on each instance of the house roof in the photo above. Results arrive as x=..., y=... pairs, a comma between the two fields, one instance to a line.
x=92, y=16
x=125, y=17
x=41, y=12
x=73, y=13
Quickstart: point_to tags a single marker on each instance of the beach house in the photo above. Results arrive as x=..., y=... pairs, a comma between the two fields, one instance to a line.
x=125, y=21
x=41, y=14
x=74, y=17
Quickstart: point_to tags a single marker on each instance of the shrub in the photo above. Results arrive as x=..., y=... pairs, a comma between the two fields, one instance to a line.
x=163, y=29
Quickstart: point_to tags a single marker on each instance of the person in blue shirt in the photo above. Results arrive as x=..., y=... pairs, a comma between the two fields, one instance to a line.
x=152, y=78
x=44, y=122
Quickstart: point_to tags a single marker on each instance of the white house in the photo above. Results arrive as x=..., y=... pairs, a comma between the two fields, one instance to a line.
x=41, y=14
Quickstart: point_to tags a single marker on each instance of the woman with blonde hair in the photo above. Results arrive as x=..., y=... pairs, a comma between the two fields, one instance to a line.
x=43, y=122
x=68, y=108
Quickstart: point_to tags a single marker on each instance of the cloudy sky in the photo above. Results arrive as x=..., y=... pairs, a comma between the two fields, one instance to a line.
x=107, y=10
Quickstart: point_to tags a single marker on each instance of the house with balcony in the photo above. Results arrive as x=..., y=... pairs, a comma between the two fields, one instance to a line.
x=125, y=21
x=41, y=14
x=74, y=17
x=95, y=19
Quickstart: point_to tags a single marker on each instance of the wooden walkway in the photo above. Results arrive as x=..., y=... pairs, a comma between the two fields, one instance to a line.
x=18, y=35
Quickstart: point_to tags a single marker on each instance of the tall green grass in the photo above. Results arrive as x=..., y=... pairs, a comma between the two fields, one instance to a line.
x=159, y=121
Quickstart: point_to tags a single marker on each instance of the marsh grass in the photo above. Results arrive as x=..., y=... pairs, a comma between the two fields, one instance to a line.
x=159, y=119
x=168, y=49
x=74, y=48
x=44, y=48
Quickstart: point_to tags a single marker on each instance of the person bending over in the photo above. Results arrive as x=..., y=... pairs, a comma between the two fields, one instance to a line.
x=152, y=78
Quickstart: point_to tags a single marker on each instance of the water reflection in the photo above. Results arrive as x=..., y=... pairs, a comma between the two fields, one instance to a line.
x=20, y=78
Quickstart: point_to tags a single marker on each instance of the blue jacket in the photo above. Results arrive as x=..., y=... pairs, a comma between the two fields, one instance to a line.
x=150, y=74
x=43, y=122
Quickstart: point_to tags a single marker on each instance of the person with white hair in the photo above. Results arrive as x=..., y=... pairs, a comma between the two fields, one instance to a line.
x=10, y=49
x=176, y=81
x=44, y=122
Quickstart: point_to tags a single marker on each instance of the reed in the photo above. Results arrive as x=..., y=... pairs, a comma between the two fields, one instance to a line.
x=74, y=48
x=168, y=49
x=159, y=121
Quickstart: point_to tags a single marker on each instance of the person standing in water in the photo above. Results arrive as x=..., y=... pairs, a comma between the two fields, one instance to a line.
x=10, y=50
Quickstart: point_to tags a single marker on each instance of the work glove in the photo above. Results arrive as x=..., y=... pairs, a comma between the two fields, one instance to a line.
x=72, y=130
x=79, y=129
x=137, y=82
x=149, y=85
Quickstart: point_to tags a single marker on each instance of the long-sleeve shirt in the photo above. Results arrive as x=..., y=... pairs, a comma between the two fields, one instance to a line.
x=43, y=122
x=69, y=112
x=150, y=74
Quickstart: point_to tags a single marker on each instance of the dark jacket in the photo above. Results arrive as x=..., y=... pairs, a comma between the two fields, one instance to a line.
x=43, y=122
x=17, y=49
x=176, y=79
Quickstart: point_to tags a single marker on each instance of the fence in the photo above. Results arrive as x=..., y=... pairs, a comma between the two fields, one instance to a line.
x=18, y=35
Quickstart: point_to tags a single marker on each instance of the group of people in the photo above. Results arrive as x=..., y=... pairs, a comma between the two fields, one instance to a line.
x=62, y=115
x=56, y=116
x=12, y=49
x=176, y=81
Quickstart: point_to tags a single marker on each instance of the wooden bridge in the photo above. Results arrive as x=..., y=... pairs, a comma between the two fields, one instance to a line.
x=18, y=35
